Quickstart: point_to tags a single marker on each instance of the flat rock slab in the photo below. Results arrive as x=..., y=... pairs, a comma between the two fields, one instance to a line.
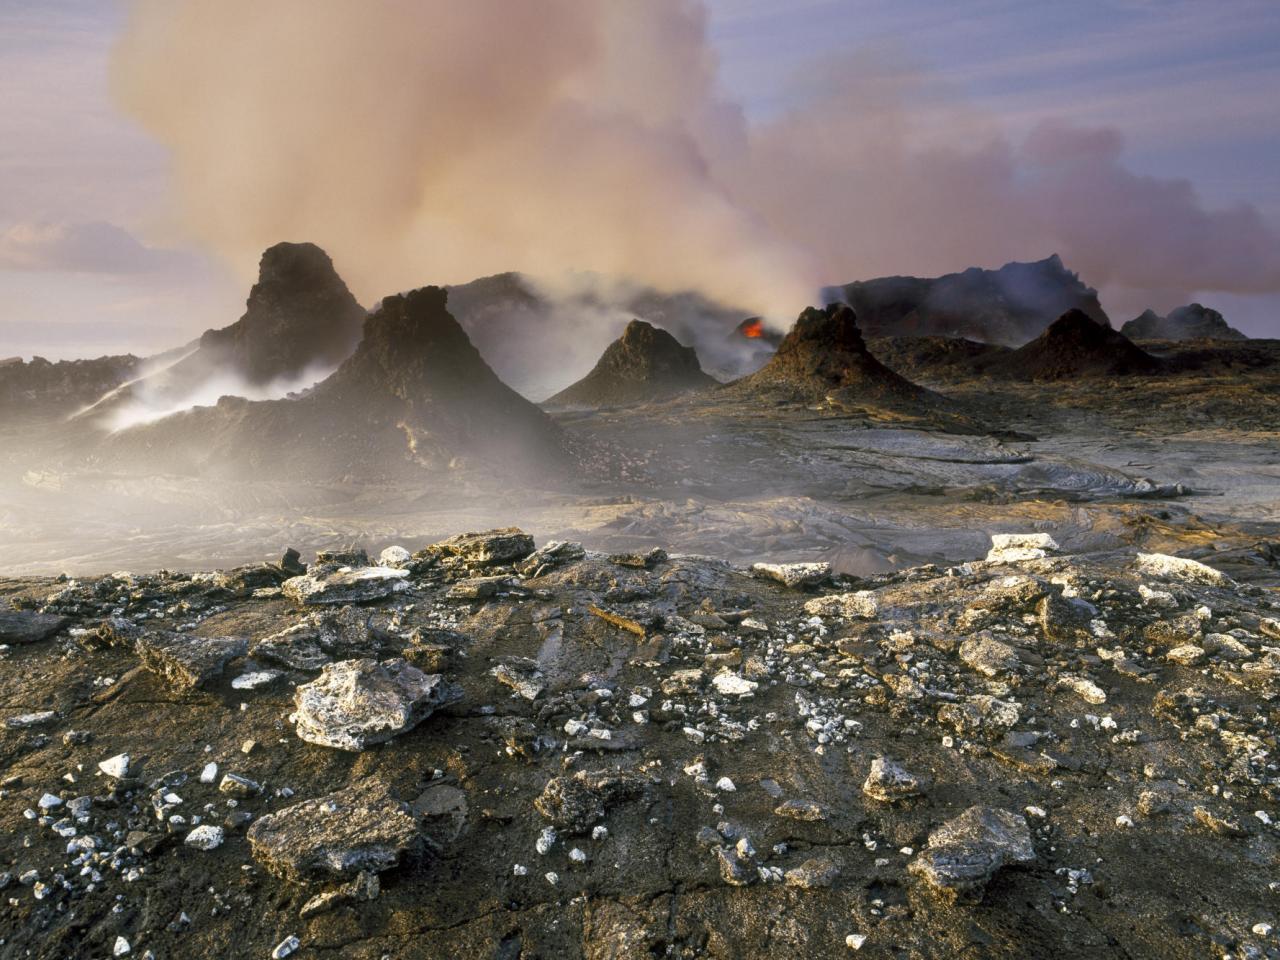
x=346, y=585
x=325, y=636
x=965, y=852
x=490, y=547
x=27, y=626
x=355, y=704
x=187, y=662
x=359, y=828
x=793, y=575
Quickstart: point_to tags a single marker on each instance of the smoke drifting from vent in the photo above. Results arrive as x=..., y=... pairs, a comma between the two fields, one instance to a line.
x=435, y=141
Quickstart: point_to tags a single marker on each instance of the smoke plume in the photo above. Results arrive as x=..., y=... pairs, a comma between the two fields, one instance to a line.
x=434, y=141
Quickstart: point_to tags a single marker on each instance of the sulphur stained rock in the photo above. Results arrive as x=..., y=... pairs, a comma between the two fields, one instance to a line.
x=965, y=852
x=1012, y=547
x=325, y=636
x=27, y=626
x=359, y=828
x=346, y=585
x=357, y=703
x=794, y=575
x=485, y=549
x=188, y=662
x=988, y=655
x=889, y=781
x=861, y=603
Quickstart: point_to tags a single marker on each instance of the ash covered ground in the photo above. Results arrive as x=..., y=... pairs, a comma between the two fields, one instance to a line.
x=959, y=638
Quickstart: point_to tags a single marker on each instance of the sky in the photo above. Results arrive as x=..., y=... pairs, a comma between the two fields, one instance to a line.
x=96, y=258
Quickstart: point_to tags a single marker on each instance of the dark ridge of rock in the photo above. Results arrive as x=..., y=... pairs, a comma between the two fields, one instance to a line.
x=300, y=319
x=1191, y=322
x=1007, y=306
x=645, y=363
x=59, y=388
x=1076, y=345
x=415, y=394
x=824, y=357
x=299, y=315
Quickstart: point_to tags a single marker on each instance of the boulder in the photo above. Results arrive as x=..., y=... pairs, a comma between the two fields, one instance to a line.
x=888, y=781
x=966, y=852
x=360, y=828
x=27, y=626
x=1012, y=547
x=354, y=704
x=793, y=575
x=346, y=585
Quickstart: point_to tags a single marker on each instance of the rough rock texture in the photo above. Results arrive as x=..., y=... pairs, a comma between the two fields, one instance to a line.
x=645, y=363
x=824, y=357
x=484, y=549
x=354, y=704
x=39, y=388
x=344, y=585
x=1006, y=306
x=1075, y=345
x=27, y=626
x=357, y=829
x=1192, y=322
x=636, y=804
x=187, y=661
x=966, y=852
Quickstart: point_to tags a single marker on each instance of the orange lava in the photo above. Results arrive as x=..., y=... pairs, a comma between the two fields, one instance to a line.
x=753, y=329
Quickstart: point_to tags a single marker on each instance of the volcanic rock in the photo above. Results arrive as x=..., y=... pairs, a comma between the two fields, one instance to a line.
x=186, y=661
x=27, y=626
x=967, y=851
x=1075, y=345
x=357, y=703
x=42, y=388
x=485, y=549
x=1006, y=306
x=645, y=363
x=345, y=585
x=824, y=357
x=360, y=828
x=888, y=781
x=1192, y=322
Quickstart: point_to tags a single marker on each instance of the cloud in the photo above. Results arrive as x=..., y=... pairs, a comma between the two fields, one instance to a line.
x=437, y=141
x=96, y=247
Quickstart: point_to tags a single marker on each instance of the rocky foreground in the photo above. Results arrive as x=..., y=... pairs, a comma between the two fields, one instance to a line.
x=483, y=749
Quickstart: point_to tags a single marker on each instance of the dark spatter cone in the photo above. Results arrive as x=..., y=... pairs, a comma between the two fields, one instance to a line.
x=1192, y=322
x=299, y=315
x=1006, y=306
x=824, y=356
x=415, y=394
x=645, y=363
x=1076, y=345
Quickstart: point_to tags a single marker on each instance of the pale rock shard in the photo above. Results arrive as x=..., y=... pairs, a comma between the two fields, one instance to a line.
x=861, y=603
x=188, y=662
x=354, y=704
x=346, y=585
x=793, y=575
x=888, y=781
x=1181, y=569
x=1015, y=547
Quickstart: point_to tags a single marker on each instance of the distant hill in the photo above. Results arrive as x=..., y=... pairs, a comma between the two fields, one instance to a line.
x=1075, y=345
x=644, y=364
x=1007, y=306
x=1192, y=322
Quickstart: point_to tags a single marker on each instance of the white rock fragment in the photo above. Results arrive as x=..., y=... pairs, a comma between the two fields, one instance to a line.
x=519, y=870
x=49, y=802
x=577, y=855
x=285, y=947
x=394, y=556
x=1261, y=929
x=117, y=767
x=1180, y=568
x=726, y=785
x=1013, y=547
x=121, y=947
x=205, y=837
x=576, y=728
x=1084, y=688
x=861, y=603
x=854, y=941
x=793, y=574
x=209, y=774
x=546, y=840
x=732, y=685
x=254, y=680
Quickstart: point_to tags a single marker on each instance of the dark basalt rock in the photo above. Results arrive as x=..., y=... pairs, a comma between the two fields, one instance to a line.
x=1006, y=306
x=1075, y=345
x=27, y=626
x=645, y=363
x=824, y=356
x=1191, y=322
